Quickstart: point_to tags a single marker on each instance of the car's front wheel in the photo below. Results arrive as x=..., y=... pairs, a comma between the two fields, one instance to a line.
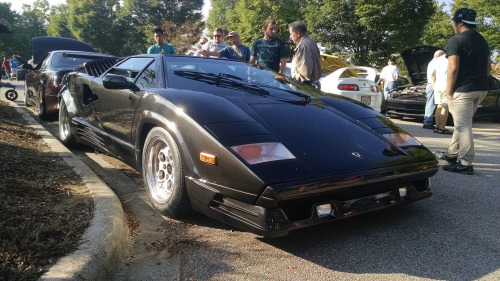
x=65, y=126
x=163, y=174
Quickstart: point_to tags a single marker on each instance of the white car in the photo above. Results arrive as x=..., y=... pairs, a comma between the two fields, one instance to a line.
x=347, y=82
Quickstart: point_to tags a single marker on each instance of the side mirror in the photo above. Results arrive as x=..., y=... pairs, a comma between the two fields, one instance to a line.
x=112, y=81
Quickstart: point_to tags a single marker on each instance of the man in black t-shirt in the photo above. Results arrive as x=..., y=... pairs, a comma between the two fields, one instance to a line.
x=469, y=65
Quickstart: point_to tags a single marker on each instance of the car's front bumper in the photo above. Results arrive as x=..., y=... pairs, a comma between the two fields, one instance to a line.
x=286, y=207
x=406, y=108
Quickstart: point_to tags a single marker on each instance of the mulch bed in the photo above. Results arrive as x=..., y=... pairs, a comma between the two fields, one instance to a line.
x=44, y=205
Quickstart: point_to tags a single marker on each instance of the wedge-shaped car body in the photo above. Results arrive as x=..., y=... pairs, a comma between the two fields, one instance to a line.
x=238, y=144
x=410, y=101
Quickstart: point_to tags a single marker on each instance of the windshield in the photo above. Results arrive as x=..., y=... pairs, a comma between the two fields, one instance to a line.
x=58, y=60
x=223, y=77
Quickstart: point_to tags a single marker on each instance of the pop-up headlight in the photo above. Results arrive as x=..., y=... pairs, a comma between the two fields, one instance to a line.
x=402, y=139
x=262, y=152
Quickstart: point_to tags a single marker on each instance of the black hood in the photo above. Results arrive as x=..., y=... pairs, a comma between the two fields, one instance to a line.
x=416, y=60
x=42, y=45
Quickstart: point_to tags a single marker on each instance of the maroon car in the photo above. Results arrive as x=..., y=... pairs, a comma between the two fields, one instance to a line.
x=43, y=82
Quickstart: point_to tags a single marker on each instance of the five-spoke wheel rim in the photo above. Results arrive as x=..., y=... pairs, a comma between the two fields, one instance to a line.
x=161, y=170
x=63, y=123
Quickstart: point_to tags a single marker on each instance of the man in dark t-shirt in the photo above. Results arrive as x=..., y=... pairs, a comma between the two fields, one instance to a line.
x=269, y=52
x=469, y=65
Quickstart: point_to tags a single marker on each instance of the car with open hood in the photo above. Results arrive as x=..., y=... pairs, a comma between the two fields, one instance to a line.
x=53, y=57
x=410, y=101
x=239, y=144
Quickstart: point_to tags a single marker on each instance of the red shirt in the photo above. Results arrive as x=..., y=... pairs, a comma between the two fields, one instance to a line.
x=6, y=65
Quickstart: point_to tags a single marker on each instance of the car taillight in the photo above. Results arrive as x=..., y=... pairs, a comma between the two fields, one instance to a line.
x=348, y=87
x=374, y=88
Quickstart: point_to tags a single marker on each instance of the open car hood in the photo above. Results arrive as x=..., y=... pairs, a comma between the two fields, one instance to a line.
x=416, y=60
x=331, y=63
x=42, y=45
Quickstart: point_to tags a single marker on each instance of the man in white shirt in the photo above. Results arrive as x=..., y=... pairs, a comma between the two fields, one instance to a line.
x=430, y=105
x=215, y=45
x=390, y=75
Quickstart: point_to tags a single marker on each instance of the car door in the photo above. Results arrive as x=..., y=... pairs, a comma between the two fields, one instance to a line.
x=115, y=108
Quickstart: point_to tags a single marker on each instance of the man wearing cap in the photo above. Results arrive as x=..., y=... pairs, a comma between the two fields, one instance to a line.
x=216, y=44
x=469, y=65
x=306, y=59
x=237, y=51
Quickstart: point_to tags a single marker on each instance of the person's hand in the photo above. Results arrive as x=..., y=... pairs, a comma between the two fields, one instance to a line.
x=203, y=52
x=162, y=52
x=280, y=78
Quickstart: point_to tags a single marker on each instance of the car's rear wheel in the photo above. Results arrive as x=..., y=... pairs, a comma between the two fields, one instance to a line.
x=26, y=92
x=65, y=126
x=163, y=174
x=42, y=110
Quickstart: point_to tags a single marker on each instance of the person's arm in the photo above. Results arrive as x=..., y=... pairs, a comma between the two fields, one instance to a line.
x=211, y=54
x=282, y=65
x=451, y=78
x=252, y=59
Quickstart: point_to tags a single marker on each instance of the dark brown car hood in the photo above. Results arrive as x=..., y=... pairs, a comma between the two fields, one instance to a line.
x=416, y=60
x=42, y=45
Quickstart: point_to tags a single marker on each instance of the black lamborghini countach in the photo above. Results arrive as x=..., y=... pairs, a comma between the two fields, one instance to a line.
x=241, y=144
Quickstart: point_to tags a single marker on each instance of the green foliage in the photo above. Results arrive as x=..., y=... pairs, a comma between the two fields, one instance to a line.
x=7, y=46
x=94, y=21
x=58, y=22
x=176, y=35
x=438, y=30
x=246, y=17
x=368, y=32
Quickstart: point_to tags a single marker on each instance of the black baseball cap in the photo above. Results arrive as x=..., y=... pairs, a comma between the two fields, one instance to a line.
x=466, y=15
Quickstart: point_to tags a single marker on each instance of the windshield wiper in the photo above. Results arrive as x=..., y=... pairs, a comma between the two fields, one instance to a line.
x=235, y=82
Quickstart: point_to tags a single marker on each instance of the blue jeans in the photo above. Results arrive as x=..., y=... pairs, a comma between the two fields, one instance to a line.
x=430, y=106
x=389, y=86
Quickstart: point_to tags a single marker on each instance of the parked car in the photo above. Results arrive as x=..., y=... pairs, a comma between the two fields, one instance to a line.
x=354, y=82
x=342, y=82
x=410, y=101
x=43, y=82
x=241, y=145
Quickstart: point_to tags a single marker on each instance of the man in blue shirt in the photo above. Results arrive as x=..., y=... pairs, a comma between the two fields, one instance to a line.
x=237, y=51
x=13, y=64
x=161, y=47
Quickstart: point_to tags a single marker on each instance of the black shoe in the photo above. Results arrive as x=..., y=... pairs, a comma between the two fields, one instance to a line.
x=452, y=160
x=431, y=127
x=459, y=168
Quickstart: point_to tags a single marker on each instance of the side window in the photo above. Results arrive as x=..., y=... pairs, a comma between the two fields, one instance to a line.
x=147, y=79
x=45, y=62
x=131, y=68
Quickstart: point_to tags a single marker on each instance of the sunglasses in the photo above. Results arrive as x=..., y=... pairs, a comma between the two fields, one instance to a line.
x=217, y=35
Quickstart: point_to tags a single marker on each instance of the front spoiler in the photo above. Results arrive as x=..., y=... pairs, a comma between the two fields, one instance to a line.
x=279, y=221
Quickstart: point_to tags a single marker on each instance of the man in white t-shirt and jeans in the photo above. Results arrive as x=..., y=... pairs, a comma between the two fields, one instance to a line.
x=390, y=75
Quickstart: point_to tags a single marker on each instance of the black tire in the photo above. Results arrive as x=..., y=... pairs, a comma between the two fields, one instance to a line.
x=163, y=174
x=65, y=134
x=26, y=94
x=42, y=110
x=11, y=95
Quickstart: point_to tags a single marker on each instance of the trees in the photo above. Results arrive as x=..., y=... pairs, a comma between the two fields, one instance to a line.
x=438, y=30
x=367, y=31
x=246, y=16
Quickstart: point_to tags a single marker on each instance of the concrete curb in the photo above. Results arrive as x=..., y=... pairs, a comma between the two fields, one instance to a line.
x=106, y=239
